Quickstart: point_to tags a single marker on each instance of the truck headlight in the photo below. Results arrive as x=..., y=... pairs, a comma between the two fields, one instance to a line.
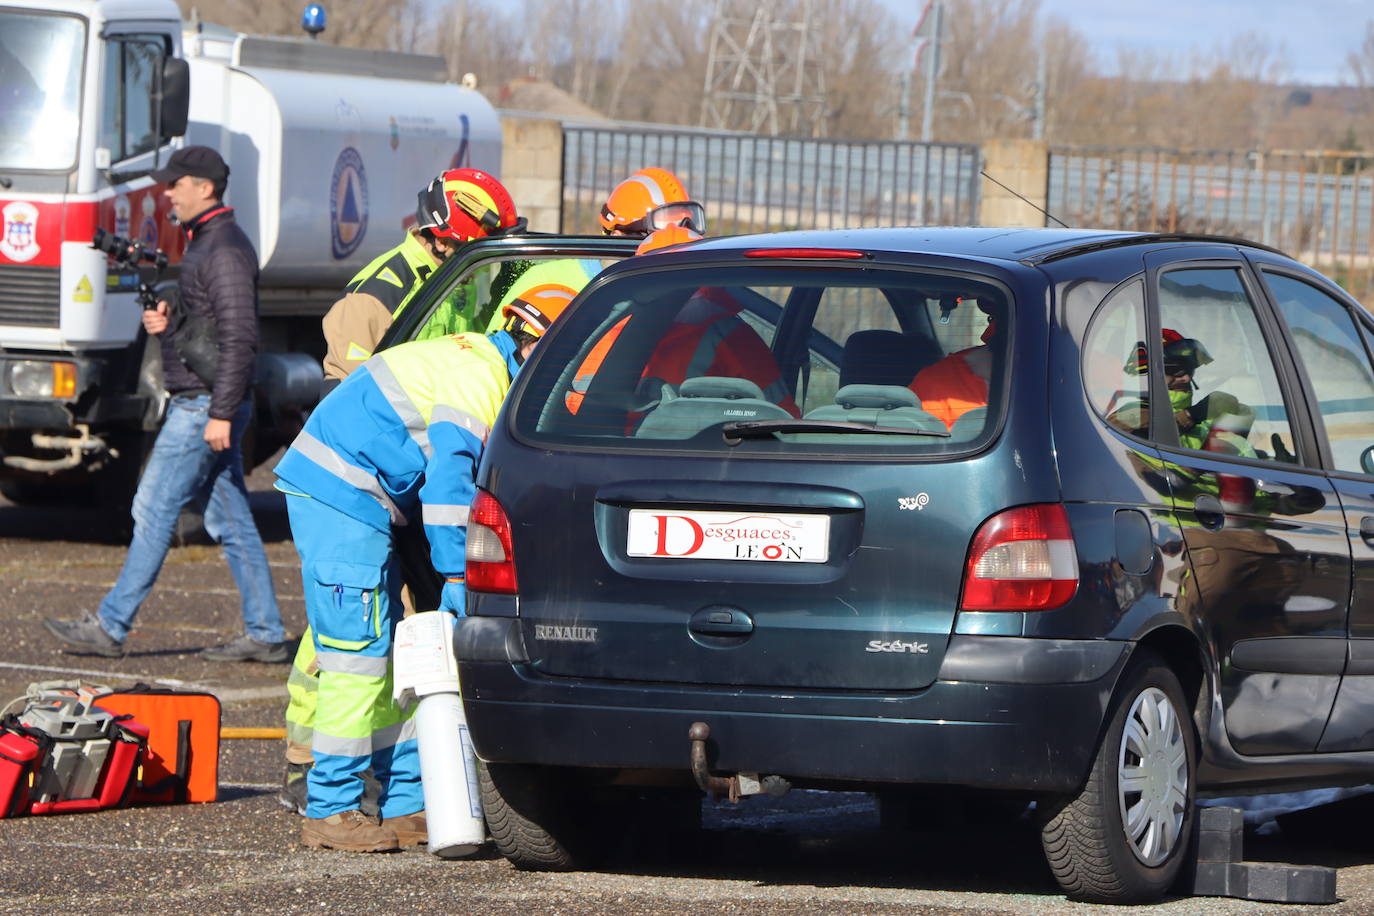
x=40, y=378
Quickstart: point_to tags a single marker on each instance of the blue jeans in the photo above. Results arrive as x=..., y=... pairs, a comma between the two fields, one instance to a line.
x=181, y=471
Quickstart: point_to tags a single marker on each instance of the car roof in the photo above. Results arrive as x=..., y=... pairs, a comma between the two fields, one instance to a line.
x=1025, y=245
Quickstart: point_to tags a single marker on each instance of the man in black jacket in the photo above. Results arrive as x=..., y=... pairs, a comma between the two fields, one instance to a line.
x=209, y=347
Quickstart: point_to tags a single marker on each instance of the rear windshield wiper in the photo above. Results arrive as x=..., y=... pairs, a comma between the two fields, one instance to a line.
x=757, y=429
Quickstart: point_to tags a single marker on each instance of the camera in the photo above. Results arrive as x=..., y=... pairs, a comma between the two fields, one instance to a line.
x=127, y=254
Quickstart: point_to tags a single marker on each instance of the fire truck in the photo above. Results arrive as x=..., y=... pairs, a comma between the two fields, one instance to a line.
x=327, y=148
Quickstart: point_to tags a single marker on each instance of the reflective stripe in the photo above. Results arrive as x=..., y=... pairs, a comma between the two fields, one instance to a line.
x=353, y=663
x=651, y=186
x=335, y=746
x=354, y=476
x=383, y=738
x=445, y=515
x=463, y=420
x=401, y=402
x=710, y=341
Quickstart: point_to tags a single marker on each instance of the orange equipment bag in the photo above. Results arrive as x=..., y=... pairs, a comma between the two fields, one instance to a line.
x=182, y=761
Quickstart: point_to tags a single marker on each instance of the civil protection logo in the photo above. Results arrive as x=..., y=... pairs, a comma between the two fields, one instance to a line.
x=19, y=237
x=347, y=203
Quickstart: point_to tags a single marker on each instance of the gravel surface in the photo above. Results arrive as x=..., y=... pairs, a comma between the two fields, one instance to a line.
x=809, y=852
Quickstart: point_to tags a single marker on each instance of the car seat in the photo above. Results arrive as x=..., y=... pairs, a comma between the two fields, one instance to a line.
x=704, y=402
x=893, y=406
x=879, y=357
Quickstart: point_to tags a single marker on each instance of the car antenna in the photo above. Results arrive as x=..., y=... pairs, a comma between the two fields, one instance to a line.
x=1048, y=214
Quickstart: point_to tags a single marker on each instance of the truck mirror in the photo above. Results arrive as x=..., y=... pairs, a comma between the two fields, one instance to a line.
x=174, y=97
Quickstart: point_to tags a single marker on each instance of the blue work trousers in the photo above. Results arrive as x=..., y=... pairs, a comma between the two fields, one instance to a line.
x=352, y=588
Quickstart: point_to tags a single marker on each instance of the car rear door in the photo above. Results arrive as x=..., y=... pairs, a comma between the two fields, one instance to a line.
x=810, y=561
x=1265, y=533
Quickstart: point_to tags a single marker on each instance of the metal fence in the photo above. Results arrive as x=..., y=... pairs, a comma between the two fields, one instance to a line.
x=755, y=183
x=1316, y=206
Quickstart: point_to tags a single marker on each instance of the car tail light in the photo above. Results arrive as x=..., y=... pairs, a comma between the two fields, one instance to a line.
x=490, y=559
x=1022, y=559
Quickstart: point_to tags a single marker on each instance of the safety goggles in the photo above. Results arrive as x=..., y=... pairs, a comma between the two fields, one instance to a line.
x=686, y=213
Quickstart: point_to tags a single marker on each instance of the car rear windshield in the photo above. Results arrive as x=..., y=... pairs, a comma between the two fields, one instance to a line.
x=761, y=359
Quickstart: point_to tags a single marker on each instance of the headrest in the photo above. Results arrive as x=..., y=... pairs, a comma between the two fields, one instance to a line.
x=711, y=386
x=883, y=397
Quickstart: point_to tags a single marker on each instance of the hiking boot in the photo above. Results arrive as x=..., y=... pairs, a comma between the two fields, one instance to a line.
x=86, y=633
x=247, y=649
x=294, y=789
x=349, y=831
x=411, y=829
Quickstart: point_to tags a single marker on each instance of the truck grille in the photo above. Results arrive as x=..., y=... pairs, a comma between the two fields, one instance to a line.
x=30, y=297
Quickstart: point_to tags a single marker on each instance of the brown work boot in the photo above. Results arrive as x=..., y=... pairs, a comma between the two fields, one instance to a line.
x=350, y=831
x=411, y=829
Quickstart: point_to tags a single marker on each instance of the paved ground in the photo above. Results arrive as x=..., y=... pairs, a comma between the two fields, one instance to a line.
x=806, y=853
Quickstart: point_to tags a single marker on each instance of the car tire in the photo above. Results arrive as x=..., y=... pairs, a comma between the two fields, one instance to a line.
x=1150, y=739
x=534, y=818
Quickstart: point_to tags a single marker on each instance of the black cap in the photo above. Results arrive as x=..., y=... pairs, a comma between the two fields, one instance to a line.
x=196, y=161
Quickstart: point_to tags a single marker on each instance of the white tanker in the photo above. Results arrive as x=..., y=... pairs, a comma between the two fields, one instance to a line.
x=327, y=148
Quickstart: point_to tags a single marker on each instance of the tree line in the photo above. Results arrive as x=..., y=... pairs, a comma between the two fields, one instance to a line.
x=646, y=60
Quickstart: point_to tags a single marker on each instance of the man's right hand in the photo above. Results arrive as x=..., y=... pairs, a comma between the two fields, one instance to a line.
x=155, y=320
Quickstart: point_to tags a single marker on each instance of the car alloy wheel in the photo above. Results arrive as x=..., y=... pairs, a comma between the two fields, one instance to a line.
x=1152, y=777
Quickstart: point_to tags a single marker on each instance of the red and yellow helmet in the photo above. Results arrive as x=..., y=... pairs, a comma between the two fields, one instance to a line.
x=668, y=235
x=465, y=204
x=537, y=307
x=650, y=199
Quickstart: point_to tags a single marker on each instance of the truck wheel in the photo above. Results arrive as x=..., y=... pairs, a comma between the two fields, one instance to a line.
x=1124, y=836
x=535, y=817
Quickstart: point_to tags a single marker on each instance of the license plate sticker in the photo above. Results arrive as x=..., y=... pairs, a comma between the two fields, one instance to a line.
x=761, y=537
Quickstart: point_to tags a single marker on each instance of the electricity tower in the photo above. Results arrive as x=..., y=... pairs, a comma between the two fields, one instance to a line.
x=763, y=72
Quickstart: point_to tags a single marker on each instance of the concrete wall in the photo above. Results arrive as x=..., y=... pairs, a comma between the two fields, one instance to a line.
x=1023, y=166
x=532, y=169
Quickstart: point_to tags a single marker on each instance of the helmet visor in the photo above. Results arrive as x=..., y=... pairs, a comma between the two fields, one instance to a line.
x=687, y=213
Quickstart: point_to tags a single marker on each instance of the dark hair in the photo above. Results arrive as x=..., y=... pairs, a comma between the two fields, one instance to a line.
x=220, y=186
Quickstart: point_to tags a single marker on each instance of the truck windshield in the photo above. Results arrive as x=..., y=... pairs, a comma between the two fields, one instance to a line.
x=40, y=89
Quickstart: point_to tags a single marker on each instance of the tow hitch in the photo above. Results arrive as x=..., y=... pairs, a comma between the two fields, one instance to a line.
x=732, y=787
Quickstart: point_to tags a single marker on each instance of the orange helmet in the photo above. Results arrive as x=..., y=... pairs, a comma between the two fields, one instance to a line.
x=465, y=204
x=668, y=235
x=537, y=307
x=650, y=199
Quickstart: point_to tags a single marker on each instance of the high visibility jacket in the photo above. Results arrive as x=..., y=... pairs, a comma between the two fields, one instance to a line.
x=708, y=338
x=406, y=430
x=371, y=301
x=955, y=385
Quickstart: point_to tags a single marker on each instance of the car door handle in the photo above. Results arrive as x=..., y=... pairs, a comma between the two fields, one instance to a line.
x=1367, y=530
x=1209, y=511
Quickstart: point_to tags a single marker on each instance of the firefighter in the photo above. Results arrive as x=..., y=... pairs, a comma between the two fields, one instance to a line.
x=396, y=443
x=650, y=199
x=958, y=383
x=458, y=206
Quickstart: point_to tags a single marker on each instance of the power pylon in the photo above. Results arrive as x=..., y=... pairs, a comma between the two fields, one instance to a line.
x=762, y=68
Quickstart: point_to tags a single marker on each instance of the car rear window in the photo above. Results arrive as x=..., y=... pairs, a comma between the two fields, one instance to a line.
x=760, y=359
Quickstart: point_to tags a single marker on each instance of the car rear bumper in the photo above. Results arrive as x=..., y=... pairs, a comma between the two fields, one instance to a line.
x=1023, y=714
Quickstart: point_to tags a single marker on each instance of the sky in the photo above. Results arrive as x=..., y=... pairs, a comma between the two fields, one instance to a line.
x=1315, y=34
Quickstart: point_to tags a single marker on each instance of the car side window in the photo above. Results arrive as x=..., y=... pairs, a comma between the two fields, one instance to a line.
x=1336, y=363
x=1113, y=370
x=1217, y=368
x=128, y=120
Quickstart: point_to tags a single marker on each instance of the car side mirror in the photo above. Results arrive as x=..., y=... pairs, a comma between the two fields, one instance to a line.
x=1367, y=460
x=174, y=97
